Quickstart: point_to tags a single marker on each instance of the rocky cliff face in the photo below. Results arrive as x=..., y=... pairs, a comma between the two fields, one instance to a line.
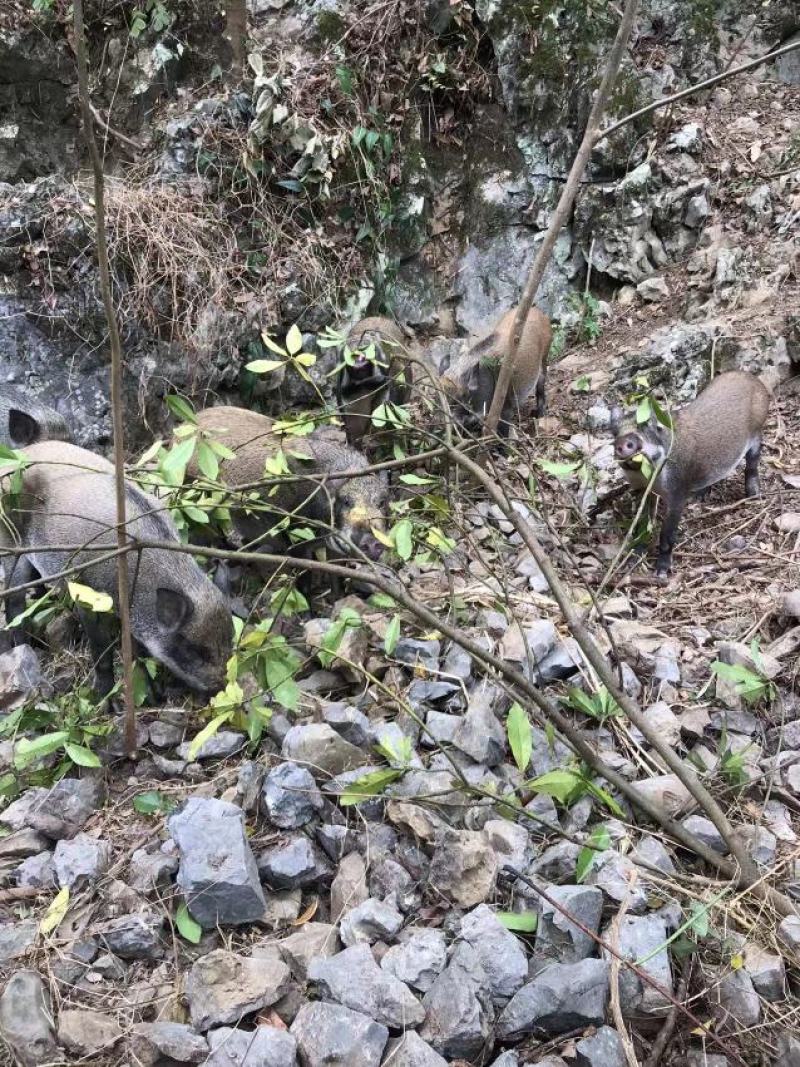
x=411, y=162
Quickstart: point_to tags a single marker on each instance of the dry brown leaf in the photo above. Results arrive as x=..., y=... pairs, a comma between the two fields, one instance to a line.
x=309, y=913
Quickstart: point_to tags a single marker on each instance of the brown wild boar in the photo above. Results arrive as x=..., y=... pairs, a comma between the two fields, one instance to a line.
x=470, y=379
x=177, y=614
x=365, y=384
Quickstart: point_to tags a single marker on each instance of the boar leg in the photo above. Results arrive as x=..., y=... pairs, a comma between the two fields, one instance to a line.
x=540, y=409
x=99, y=630
x=752, y=486
x=20, y=572
x=669, y=533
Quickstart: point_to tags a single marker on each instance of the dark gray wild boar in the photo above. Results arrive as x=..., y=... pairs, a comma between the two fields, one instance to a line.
x=361, y=387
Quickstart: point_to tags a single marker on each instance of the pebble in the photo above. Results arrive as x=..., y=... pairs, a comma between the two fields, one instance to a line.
x=639, y=938
x=411, y=1051
x=150, y=1042
x=266, y=1046
x=558, y=939
x=373, y=920
x=133, y=937
x=293, y=864
x=313, y=941
x=499, y=952
x=564, y=996
x=736, y=1002
x=290, y=797
x=87, y=1033
x=464, y=866
x=321, y=749
x=419, y=959
x=81, y=861
x=459, y=1010
x=602, y=1049
x=222, y=987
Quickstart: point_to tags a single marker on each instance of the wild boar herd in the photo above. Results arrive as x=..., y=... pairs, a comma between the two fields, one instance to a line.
x=59, y=516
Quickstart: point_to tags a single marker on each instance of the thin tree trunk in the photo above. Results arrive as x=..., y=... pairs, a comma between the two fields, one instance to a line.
x=236, y=32
x=561, y=214
x=116, y=379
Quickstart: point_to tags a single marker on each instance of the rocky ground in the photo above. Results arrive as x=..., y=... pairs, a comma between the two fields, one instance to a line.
x=326, y=928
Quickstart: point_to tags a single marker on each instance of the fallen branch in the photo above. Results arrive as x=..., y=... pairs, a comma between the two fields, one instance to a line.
x=560, y=215
x=116, y=378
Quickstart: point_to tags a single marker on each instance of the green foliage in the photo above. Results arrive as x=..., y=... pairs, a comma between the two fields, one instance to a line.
x=600, y=705
x=290, y=356
x=599, y=840
x=520, y=736
x=153, y=803
x=189, y=930
x=567, y=785
x=347, y=619
x=751, y=686
x=520, y=922
x=153, y=16
x=586, y=306
x=369, y=785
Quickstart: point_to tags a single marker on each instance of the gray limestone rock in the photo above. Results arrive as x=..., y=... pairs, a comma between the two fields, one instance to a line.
x=349, y=887
x=313, y=941
x=26, y=1019
x=222, y=987
x=562, y=997
x=20, y=675
x=37, y=871
x=151, y=870
x=459, y=1010
x=352, y=724
x=218, y=873
x=223, y=743
x=151, y=1043
x=639, y=936
x=788, y=1051
x=136, y=936
x=557, y=938
x=329, y=1035
x=17, y=938
x=354, y=979
x=613, y=872
x=419, y=959
x=464, y=866
x=500, y=953
x=479, y=734
x=64, y=810
x=602, y=1049
x=736, y=1002
x=767, y=972
x=81, y=860
x=290, y=797
x=412, y=651
x=87, y=1033
x=706, y=831
x=293, y=864
x=411, y=1051
x=318, y=746
x=651, y=851
x=265, y=1046
x=371, y=921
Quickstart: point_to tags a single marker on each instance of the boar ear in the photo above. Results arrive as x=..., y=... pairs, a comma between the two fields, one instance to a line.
x=615, y=420
x=23, y=429
x=172, y=608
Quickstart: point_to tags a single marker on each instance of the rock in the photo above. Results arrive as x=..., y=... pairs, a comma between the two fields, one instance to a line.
x=533, y=641
x=352, y=647
x=707, y=832
x=556, y=864
x=218, y=874
x=149, y=1042
x=133, y=937
x=352, y=724
x=81, y=861
x=64, y=810
x=500, y=953
x=37, y=872
x=282, y=908
x=266, y=1046
x=650, y=851
x=391, y=881
x=614, y=874
x=697, y=211
x=603, y=1049
x=664, y=721
x=165, y=734
x=370, y=921
x=20, y=676
x=739, y=654
x=511, y=842
x=760, y=843
x=459, y=1016
x=329, y=1035
x=313, y=941
x=426, y=653
x=418, y=960
x=702, y=1058
x=411, y=1051
x=557, y=938
x=354, y=979
x=787, y=68
x=688, y=138
x=223, y=743
x=87, y=1033
x=26, y=1019
x=767, y=972
x=349, y=887
x=290, y=797
x=295, y=863
x=666, y=791
x=653, y=289
x=639, y=937
x=479, y=734
x=511, y=1059
x=322, y=749
x=463, y=867
x=17, y=938
x=151, y=870
x=564, y=996
x=222, y=987
x=736, y=1002
x=22, y=844
x=789, y=932
x=560, y=664
x=788, y=1051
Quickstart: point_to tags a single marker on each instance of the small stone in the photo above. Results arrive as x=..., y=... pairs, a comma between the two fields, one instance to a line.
x=133, y=937
x=700, y=1057
x=329, y=1035
x=349, y=887
x=558, y=939
x=150, y=1042
x=500, y=953
x=165, y=734
x=336, y=841
x=665, y=791
x=22, y=844
x=614, y=874
x=689, y=138
x=295, y=863
x=426, y=653
x=697, y=211
x=767, y=972
x=411, y=1051
x=81, y=861
x=511, y=842
x=464, y=866
x=371, y=921
x=350, y=723
x=290, y=797
x=603, y=1049
x=354, y=979
x=37, y=872
x=788, y=1051
x=459, y=1015
x=644, y=937
x=418, y=960
x=760, y=843
x=560, y=664
x=222, y=987
x=322, y=749
x=664, y=722
x=20, y=676
x=652, y=852
x=282, y=908
x=737, y=1003
x=218, y=874
x=479, y=734
x=653, y=289
x=707, y=832
x=313, y=941
x=87, y=1033
x=564, y=996
x=151, y=870
x=265, y=1046
x=557, y=863
x=458, y=663
x=17, y=938
x=26, y=1019
x=389, y=880
x=352, y=647
x=223, y=743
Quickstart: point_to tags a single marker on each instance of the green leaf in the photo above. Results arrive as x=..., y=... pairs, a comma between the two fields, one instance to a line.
x=207, y=461
x=403, y=540
x=90, y=598
x=305, y=359
x=521, y=922
x=26, y=749
x=663, y=416
x=644, y=409
x=415, y=479
x=558, y=470
x=520, y=736
x=264, y=366
x=294, y=340
x=175, y=462
x=562, y=785
x=344, y=76
x=189, y=930
x=698, y=920
x=576, y=698
x=207, y=733
x=605, y=797
x=84, y=757
x=392, y=636
x=152, y=803
x=55, y=913
x=382, y=600
x=749, y=685
x=181, y=408
x=370, y=785
x=31, y=609
x=599, y=840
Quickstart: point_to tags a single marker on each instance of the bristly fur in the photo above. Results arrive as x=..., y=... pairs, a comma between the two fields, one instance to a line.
x=361, y=390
